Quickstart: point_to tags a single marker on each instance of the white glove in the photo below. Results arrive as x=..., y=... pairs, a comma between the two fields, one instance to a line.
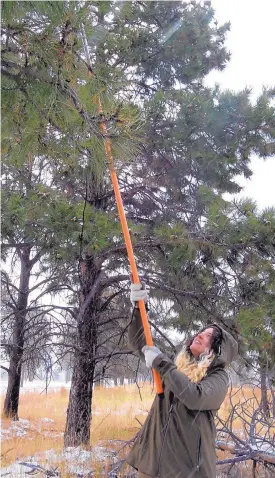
x=150, y=353
x=138, y=293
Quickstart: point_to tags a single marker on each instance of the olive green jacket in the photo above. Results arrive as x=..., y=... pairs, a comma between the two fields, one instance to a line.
x=178, y=437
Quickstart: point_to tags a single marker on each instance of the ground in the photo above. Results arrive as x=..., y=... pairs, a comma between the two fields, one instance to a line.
x=118, y=413
x=37, y=438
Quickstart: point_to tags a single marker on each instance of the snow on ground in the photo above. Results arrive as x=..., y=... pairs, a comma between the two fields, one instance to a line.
x=21, y=427
x=16, y=429
x=53, y=385
x=18, y=470
x=264, y=446
x=76, y=461
x=38, y=386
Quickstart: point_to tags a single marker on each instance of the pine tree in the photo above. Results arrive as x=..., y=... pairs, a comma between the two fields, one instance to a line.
x=47, y=134
x=148, y=61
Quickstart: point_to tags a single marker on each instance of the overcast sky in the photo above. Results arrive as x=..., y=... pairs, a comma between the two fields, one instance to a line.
x=251, y=42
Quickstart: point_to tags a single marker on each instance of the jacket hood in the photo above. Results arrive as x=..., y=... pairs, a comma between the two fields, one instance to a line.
x=228, y=349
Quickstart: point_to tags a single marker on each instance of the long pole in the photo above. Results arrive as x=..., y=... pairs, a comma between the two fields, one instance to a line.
x=123, y=220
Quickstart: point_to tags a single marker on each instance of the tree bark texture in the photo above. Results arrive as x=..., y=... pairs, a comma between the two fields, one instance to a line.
x=264, y=388
x=78, y=422
x=17, y=349
x=79, y=410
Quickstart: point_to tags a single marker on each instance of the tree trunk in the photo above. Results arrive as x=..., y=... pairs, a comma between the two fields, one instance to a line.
x=264, y=392
x=15, y=368
x=12, y=395
x=79, y=410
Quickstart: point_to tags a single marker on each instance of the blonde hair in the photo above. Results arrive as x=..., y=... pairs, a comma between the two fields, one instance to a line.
x=193, y=369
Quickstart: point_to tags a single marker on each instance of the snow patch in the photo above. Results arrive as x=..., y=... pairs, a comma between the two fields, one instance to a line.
x=21, y=427
x=17, y=429
x=39, y=386
x=18, y=469
x=47, y=420
x=24, y=423
x=18, y=432
x=265, y=447
x=77, y=461
x=53, y=434
x=77, y=454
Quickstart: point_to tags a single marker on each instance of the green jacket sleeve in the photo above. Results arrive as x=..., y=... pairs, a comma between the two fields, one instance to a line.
x=136, y=338
x=205, y=395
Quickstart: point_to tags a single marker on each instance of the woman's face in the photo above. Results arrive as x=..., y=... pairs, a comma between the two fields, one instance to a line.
x=202, y=342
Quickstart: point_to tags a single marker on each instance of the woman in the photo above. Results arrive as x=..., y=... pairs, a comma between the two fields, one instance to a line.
x=177, y=439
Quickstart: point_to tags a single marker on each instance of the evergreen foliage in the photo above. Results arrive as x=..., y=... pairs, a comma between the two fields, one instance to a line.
x=178, y=148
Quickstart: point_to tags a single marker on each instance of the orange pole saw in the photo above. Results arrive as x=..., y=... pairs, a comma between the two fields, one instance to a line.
x=123, y=220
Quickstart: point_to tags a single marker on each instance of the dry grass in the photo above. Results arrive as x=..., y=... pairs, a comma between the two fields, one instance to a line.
x=117, y=414
x=246, y=401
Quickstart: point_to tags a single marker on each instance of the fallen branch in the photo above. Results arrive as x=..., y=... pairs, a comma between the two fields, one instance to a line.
x=244, y=453
x=52, y=473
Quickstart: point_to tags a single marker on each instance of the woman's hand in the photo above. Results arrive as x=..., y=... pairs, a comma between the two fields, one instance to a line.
x=138, y=292
x=150, y=353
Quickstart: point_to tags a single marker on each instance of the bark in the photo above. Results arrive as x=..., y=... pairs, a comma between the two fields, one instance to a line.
x=264, y=389
x=17, y=349
x=79, y=412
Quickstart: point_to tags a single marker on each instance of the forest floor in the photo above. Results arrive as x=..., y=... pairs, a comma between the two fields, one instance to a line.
x=118, y=413
x=37, y=437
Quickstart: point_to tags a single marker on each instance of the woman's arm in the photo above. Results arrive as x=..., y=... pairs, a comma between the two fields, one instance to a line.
x=206, y=395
